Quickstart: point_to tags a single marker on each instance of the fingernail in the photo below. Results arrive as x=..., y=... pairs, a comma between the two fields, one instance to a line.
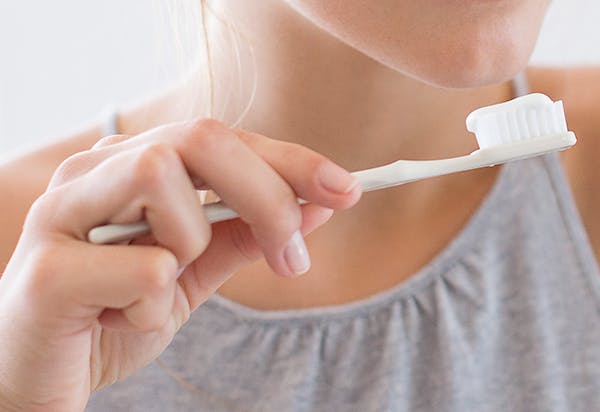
x=337, y=180
x=296, y=254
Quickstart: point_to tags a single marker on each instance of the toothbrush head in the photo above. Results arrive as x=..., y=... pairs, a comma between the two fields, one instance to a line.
x=531, y=118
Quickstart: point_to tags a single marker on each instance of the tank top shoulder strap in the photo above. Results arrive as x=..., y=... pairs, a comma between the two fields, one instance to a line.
x=110, y=123
x=572, y=218
x=564, y=197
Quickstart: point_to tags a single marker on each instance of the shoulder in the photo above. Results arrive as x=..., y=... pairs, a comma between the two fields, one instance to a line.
x=579, y=88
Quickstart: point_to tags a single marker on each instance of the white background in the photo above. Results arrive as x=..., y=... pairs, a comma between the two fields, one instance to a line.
x=63, y=61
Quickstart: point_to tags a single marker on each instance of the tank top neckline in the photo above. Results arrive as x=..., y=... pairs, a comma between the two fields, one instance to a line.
x=446, y=258
x=441, y=262
x=454, y=251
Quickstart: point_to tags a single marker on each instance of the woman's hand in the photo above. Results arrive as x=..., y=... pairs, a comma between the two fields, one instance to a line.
x=75, y=317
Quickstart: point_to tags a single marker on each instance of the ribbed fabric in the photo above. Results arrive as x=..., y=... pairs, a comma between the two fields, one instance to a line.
x=505, y=318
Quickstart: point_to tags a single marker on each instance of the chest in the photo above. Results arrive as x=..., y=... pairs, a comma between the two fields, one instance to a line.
x=371, y=248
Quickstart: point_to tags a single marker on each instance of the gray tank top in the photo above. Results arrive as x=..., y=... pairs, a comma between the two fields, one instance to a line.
x=505, y=318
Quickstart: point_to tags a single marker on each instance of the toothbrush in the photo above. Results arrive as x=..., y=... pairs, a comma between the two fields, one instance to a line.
x=524, y=127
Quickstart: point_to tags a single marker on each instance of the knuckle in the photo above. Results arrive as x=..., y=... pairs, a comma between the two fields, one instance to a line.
x=202, y=238
x=206, y=126
x=251, y=138
x=159, y=272
x=39, y=206
x=152, y=164
x=208, y=134
x=292, y=152
x=153, y=323
x=110, y=140
x=37, y=220
x=312, y=162
x=152, y=314
x=315, y=165
x=72, y=167
x=284, y=216
x=44, y=267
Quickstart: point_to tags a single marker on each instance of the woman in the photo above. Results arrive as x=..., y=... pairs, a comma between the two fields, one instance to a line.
x=476, y=291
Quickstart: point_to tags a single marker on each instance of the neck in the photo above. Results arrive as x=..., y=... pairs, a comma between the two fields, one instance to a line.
x=315, y=90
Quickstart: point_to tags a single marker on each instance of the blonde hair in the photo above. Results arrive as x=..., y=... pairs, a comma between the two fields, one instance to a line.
x=196, y=27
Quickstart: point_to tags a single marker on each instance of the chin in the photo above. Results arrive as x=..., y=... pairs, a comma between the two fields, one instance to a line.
x=448, y=43
x=463, y=58
x=468, y=67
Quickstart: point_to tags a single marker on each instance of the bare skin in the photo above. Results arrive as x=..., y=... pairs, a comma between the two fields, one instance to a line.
x=359, y=124
x=329, y=80
x=580, y=90
x=392, y=233
x=389, y=236
x=413, y=232
x=107, y=311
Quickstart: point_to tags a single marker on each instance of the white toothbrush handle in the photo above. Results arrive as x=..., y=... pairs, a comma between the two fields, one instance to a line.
x=393, y=174
x=402, y=171
x=215, y=212
x=405, y=171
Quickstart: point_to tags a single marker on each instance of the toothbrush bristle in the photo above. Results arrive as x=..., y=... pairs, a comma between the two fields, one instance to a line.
x=524, y=118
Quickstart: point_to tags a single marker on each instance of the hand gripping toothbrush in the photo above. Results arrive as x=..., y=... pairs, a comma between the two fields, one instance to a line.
x=524, y=127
